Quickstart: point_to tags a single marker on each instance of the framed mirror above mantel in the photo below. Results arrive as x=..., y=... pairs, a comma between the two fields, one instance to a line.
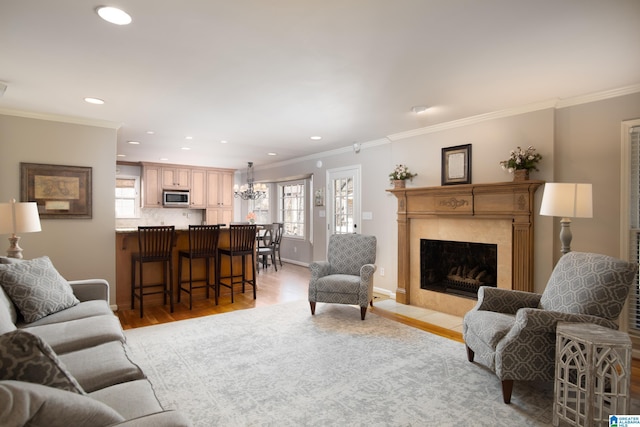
x=500, y=213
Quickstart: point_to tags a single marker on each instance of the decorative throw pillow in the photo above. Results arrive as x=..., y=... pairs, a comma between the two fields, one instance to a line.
x=27, y=404
x=36, y=288
x=25, y=357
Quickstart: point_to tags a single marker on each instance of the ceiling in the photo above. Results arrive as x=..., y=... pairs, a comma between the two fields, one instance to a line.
x=265, y=76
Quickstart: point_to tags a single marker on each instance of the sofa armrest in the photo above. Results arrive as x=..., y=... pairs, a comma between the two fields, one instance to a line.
x=545, y=321
x=167, y=418
x=90, y=289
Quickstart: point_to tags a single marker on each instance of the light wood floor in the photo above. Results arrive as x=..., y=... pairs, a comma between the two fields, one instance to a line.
x=288, y=284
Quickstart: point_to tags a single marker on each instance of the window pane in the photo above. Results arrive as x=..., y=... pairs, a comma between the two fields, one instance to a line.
x=292, y=212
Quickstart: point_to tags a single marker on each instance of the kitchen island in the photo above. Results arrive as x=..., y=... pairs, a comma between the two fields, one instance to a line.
x=127, y=243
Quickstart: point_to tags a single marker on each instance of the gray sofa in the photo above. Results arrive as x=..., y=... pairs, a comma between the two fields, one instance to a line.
x=63, y=356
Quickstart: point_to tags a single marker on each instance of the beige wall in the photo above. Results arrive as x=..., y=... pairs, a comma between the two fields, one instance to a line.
x=579, y=143
x=80, y=248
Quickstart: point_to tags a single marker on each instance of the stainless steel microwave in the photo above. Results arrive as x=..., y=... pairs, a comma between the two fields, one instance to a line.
x=175, y=198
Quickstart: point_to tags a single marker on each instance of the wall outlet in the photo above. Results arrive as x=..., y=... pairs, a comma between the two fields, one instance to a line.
x=382, y=271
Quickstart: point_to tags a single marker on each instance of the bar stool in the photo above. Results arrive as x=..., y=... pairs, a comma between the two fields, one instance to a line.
x=155, y=245
x=203, y=244
x=242, y=243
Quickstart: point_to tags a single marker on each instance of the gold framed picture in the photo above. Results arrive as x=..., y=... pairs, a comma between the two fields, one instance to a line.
x=59, y=191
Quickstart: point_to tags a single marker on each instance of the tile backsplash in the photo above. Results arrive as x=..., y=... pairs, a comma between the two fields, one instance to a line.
x=181, y=218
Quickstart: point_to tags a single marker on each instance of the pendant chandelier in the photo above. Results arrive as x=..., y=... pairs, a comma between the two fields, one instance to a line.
x=249, y=191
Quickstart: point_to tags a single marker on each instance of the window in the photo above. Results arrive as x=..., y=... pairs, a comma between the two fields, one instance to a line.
x=634, y=226
x=292, y=203
x=261, y=208
x=127, y=197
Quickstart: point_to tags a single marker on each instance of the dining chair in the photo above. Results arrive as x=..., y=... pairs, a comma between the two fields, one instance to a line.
x=266, y=248
x=278, y=230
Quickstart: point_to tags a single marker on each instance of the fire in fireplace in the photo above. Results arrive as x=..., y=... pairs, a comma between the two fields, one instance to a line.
x=458, y=268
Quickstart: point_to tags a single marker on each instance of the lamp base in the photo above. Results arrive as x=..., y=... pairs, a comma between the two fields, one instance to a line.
x=14, y=251
x=565, y=235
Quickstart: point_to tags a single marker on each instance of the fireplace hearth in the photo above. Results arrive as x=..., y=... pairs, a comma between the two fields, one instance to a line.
x=457, y=268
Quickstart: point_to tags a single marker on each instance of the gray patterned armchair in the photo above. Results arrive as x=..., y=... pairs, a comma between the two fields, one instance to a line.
x=347, y=276
x=513, y=332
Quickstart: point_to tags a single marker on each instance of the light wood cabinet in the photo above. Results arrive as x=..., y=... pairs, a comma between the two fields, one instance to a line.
x=210, y=189
x=198, y=189
x=151, y=189
x=219, y=216
x=176, y=178
x=219, y=197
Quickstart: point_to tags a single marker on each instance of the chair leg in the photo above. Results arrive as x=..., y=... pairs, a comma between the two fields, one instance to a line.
x=313, y=307
x=371, y=303
x=507, y=388
x=171, y=285
x=363, y=312
x=141, y=291
x=253, y=272
x=133, y=284
x=470, y=354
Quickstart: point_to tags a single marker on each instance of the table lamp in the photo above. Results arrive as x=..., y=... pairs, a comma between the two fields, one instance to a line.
x=18, y=218
x=567, y=201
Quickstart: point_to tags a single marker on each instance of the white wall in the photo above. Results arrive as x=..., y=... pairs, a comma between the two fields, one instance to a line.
x=79, y=248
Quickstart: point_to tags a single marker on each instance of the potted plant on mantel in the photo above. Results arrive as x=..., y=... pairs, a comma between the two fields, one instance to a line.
x=400, y=175
x=520, y=162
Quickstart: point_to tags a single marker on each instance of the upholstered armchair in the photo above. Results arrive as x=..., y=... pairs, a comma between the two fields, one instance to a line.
x=347, y=275
x=514, y=332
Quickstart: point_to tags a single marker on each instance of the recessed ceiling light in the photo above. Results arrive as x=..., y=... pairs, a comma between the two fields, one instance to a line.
x=188, y=137
x=419, y=109
x=186, y=148
x=150, y=132
x=316, y=138
x=114, y=15
x=164, y=159
x=121, y=155
x=134, y=142
x=96, y=101
x=223, y=142
x=272, y=154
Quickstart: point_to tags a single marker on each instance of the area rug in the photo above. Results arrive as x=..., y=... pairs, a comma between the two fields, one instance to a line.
x=280, y=366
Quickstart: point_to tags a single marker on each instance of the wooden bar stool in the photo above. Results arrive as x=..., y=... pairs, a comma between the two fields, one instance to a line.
x=242, y=243
x=155, y=245
x=203, y=244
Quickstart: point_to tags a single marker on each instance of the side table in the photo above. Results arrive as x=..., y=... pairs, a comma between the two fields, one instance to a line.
x=593, y=374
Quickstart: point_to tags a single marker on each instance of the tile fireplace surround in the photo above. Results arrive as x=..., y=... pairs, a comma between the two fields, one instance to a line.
x=500, y=213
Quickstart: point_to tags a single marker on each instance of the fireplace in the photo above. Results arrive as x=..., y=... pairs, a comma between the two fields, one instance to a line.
x=457, y=268
x=499, y=214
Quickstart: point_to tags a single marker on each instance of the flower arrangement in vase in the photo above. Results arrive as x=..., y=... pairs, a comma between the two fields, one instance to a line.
x=400, y=175
x=251, y=217
x=520, y=162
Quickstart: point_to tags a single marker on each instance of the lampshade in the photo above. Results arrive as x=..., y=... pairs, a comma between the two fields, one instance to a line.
x=567, y=200
x=19, y=218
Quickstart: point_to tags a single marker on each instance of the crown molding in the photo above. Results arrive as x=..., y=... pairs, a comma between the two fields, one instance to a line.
x=316, y=156
x=60, y=118
x=474, y=119
x=598, y=96
x=554, y=103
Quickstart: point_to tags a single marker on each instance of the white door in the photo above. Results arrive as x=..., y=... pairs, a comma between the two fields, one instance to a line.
x=343, y=200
